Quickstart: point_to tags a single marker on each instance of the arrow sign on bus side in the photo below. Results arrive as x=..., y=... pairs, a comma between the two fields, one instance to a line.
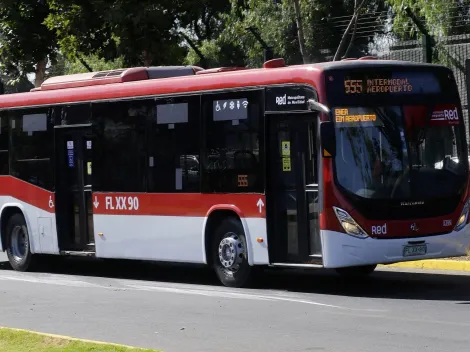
x=96, y=203
x=260, y=205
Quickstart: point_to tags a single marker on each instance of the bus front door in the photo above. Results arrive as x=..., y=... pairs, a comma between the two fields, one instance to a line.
x=293, y=189
x=74, y=208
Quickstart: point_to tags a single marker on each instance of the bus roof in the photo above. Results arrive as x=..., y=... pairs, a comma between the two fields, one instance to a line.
x=153, y=81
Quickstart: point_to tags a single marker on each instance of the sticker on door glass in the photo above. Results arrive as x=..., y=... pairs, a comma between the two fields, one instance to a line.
x=88, y=164
x=69, y=145
x=285, y=146
x=88, y=144
x=286, y=165
x=70, y=155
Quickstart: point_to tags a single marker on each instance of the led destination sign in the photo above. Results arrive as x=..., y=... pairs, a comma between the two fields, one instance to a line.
x=382, y=83
x=378, y=85
x=356, y=117
x=345, y=116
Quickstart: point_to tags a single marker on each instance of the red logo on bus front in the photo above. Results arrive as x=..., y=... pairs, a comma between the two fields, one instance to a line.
x=445, y=115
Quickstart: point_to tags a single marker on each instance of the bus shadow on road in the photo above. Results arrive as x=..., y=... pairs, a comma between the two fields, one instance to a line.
x=381, y=284
x=392, y=284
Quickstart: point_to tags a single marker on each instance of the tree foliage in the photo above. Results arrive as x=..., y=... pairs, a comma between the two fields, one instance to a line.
x=441, y=17
x=204, y=32
x=148, y=33
x=276, y=23
x=66, y=66
x=25, y=41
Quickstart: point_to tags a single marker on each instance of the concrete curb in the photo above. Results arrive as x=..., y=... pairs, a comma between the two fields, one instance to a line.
x=63, y=337
x=433, y=264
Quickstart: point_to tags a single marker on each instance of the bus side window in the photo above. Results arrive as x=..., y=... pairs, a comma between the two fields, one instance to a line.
x=31, y=147
x=174, y=145
x=4, y=138
x=121, y=163
x=232, y=125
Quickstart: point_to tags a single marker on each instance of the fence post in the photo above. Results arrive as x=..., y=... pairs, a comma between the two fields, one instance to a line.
x=427, y=48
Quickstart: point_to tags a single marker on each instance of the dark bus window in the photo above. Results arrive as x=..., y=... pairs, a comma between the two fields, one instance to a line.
x=72, y=114
x=174, y=147
x=120, y=152
x=4, y=138
x=232, y=135
x=32, y=146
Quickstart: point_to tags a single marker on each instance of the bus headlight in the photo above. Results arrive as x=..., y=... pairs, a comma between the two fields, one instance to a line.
x=350, y=226
x=462, y=221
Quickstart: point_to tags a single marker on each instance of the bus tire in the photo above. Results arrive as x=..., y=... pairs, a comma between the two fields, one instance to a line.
x=356, y=271
x=229, y=254
x=18, y=244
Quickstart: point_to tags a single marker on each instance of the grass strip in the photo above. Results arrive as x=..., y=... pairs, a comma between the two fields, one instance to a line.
x=15, y=340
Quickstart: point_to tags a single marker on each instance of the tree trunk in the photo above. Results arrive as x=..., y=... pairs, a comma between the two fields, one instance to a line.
x=40, y=73
x=147, y=58
x=353, y=35
x=348, y=29
x=300, y=32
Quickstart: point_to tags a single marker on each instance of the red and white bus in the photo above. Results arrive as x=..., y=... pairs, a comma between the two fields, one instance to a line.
x=341, y=165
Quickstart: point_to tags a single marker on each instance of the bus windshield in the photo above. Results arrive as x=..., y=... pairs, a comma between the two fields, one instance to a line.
x=399, y=135
x=400, y=152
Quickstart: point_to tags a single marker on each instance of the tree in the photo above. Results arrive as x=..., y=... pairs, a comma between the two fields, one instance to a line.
x=436, y=18
x=65, y=66
x=442, y=17
x=26, y=44
x=275, y=21
x=358, y=6
x=146, y=34
x=298, y=30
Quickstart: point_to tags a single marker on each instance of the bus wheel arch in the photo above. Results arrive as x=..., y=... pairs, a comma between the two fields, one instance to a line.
x=6, y=213
x=227, y=248
x=16, y=238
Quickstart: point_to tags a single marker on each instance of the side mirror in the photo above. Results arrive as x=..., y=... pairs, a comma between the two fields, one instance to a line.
x=327, y=139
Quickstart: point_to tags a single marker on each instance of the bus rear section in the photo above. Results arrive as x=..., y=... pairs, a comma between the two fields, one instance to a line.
x=396, y=186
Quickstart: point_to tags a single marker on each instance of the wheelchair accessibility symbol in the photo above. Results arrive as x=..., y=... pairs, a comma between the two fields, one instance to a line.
x=51, y=202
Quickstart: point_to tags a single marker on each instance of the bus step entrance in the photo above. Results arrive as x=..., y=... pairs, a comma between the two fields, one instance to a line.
x=78, y=253
x=296, y=266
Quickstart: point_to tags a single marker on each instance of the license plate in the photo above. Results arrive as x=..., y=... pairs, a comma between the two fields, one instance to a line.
x=410, y=251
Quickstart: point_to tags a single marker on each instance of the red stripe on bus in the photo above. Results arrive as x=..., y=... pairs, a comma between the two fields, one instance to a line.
x=28, y=193
x=163, y=204
x=245, y=205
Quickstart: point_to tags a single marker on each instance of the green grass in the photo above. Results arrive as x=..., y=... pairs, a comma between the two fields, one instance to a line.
x=12, y=340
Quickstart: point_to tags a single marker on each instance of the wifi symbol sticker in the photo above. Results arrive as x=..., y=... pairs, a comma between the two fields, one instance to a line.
x=245, y=103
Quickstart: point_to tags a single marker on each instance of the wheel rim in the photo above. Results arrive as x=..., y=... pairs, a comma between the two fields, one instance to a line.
x=19, y=243
x=231, y=252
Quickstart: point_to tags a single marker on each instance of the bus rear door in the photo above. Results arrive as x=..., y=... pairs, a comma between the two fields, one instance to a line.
x=74, y=208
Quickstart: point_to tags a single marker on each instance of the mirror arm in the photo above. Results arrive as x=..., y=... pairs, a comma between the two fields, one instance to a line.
x=316, y=106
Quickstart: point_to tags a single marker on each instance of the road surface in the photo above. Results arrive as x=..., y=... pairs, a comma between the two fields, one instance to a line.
x=185, y=309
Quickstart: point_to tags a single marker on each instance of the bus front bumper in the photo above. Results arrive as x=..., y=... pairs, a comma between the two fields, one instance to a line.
x=342, y=250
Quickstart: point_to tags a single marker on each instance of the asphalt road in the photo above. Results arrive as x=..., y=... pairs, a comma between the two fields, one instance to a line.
x=185, y=309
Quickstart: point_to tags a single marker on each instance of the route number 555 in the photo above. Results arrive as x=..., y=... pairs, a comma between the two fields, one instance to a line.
x=353, y=86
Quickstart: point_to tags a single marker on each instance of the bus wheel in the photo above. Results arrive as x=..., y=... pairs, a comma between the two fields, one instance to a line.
x=229, y=254
x=356, y=271
x=18, y=248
